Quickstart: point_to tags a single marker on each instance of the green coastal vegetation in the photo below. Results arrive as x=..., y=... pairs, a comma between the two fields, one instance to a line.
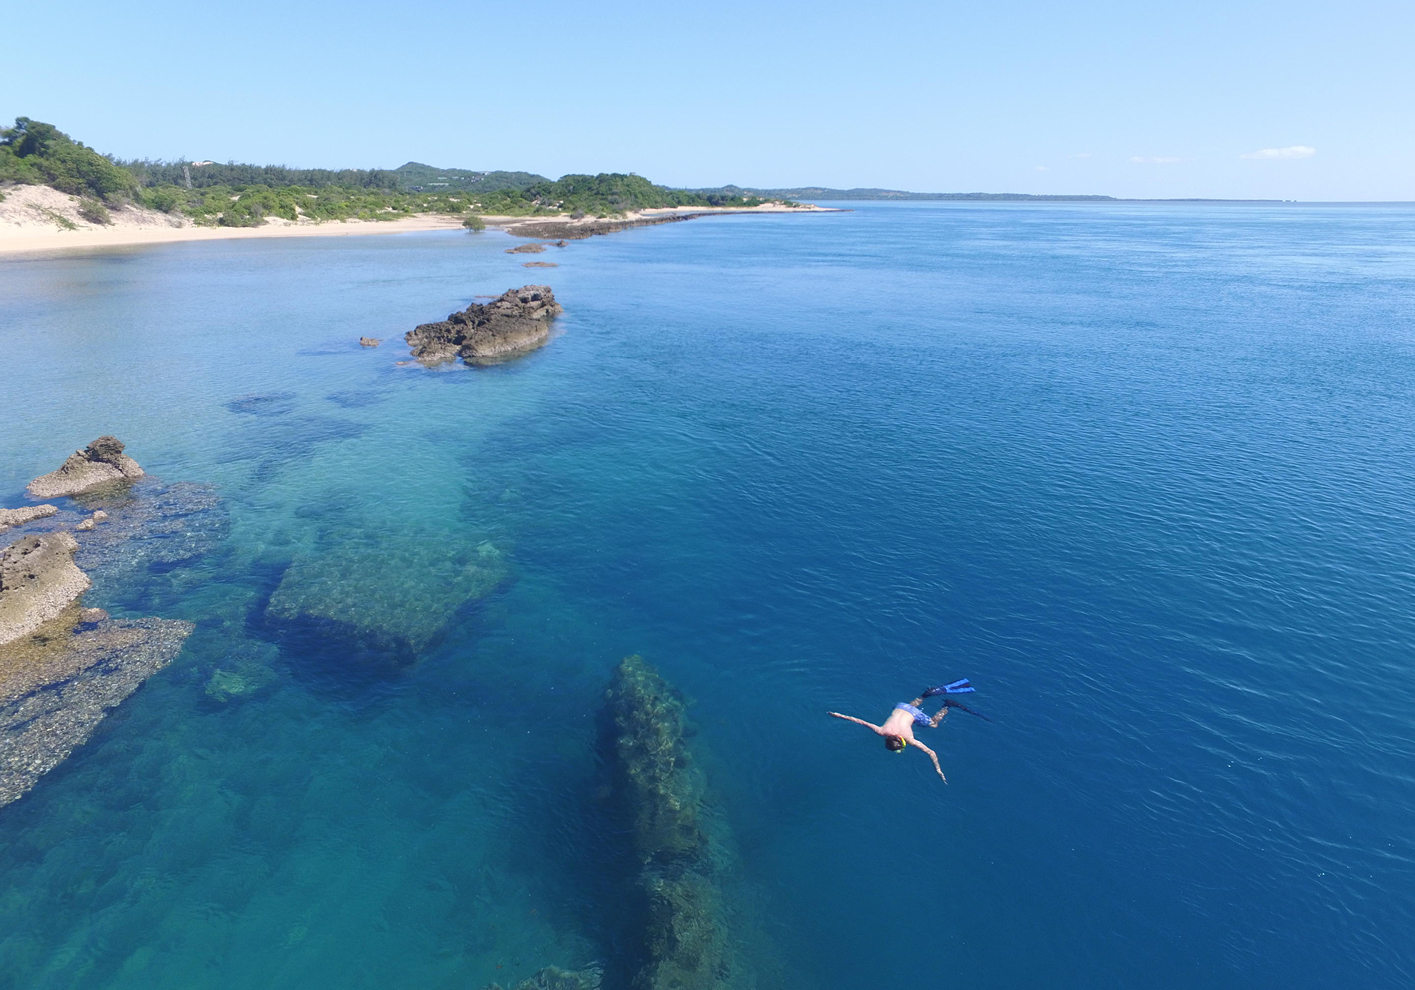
x=239, y=195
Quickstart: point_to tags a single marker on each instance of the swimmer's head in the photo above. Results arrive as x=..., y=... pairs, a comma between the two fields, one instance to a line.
x=895, y=744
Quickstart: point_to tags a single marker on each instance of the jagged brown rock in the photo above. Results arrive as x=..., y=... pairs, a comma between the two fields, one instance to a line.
x=101, y=462
x=370, y=341
x=514, y=323
x=38, y=580
x=526, y=249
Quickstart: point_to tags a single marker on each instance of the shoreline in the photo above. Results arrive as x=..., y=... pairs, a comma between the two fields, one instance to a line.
x=18, y=242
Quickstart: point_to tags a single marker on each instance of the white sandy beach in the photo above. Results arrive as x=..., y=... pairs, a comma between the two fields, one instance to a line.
x=30, y=224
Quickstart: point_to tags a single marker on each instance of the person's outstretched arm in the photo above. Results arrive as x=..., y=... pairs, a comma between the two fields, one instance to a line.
x=933, y=756
x=857, y=721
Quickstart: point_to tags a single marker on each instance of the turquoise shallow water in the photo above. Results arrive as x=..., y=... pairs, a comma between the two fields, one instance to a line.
x=1143, y=472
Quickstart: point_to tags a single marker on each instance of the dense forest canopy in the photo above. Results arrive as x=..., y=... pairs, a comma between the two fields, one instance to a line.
x=417, y=177
x=234, y=194
x=35, y=153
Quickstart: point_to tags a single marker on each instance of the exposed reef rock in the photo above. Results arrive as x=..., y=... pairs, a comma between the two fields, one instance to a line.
x=579, y=230
x=18, y=517
x=540, y=264
x=383, y=596
x=101, y=462
x=660, y=791
x=554, y=978
x=38, y=581
x=55, y=687
x=526, y=249
x=514, y=323
x=370, y=341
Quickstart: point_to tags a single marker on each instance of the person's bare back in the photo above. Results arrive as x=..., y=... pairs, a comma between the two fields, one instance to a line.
x=898, y=728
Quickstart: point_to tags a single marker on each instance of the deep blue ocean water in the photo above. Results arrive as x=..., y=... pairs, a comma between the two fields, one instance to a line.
x=1145, y=473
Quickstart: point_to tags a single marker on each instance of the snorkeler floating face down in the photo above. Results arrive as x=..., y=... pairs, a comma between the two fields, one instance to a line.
x=898, y=729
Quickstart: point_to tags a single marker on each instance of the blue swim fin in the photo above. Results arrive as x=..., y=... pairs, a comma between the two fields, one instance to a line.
x=957, y=687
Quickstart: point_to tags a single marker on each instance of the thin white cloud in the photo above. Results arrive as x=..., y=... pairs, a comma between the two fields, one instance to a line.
x=1155, y=160
x=1041, y=168
x=1273, y=154
x=1080, y=154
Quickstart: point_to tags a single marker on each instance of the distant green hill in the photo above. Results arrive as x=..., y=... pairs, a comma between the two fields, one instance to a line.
x=417, y=177
x=823, y=192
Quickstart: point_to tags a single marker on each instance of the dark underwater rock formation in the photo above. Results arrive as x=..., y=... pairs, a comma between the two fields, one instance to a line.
x=514, y=323
x=660, y=791
x=151, y=526
x=385, y=596
x=270, y=404
x=38, y=581
x=56, y=686
x=554, y=978
x=101, y=462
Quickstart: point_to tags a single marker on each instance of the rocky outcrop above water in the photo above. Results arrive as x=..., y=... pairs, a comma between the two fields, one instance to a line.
x=526, y=249
x=484, y=333
x=660, y=791
x=29, y=513
x=577, y=230
x=380, y=597
x=38, y=581
x=100, y=463
x=56, y=686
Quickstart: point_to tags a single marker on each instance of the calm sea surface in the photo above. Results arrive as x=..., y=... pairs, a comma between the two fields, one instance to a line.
x=1145, y=473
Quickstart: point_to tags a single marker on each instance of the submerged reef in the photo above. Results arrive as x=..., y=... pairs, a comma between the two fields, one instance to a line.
x=660, y=791
x=100, y=463
x=150, y=527
x=554, y=978
x=484, y=333
x=56, y=686
x=382, y=595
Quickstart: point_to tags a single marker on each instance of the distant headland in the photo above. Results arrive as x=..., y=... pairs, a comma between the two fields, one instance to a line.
x=56, y=192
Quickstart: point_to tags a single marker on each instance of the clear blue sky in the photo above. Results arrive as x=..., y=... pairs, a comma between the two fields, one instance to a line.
x=1091, y=96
